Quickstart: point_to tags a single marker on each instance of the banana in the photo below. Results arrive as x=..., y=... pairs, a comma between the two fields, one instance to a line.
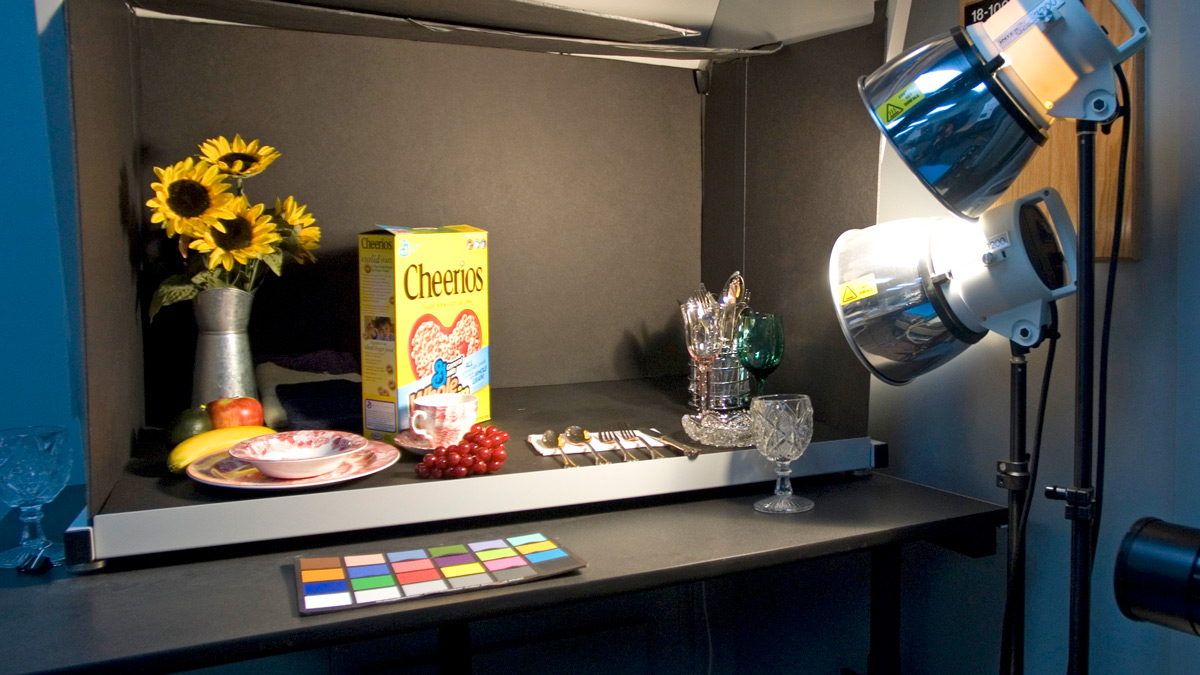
x=208, y=442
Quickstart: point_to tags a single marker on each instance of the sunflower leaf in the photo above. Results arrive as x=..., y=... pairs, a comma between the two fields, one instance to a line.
x=172, y=290
x=274, y=260
x=209, y=279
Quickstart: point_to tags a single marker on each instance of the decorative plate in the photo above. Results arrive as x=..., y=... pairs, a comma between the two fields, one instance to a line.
x=224, y=471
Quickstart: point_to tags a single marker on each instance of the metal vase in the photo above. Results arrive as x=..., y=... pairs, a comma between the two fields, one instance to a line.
x=224, y=365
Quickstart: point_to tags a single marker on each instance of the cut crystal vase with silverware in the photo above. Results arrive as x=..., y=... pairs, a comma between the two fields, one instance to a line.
x=719, y=385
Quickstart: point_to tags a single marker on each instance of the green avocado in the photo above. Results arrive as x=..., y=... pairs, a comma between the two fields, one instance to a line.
x=189, y=423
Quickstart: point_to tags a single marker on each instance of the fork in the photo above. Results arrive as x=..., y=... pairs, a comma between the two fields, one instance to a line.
x=631, y=436
x=597, y=459
x=611, y=437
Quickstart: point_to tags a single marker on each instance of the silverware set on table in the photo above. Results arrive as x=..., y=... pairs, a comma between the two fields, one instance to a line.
x=622, y=439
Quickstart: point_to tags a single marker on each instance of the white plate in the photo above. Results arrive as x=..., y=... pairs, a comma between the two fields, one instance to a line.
x=224, y=471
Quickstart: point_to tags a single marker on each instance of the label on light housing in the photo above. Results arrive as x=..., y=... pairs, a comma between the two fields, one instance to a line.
x=857, y=289
x=899, y=103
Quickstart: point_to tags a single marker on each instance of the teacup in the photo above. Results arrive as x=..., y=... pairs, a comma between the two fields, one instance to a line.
x=444, y=418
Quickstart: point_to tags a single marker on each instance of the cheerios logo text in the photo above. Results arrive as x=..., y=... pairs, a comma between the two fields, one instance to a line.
x=421, y=284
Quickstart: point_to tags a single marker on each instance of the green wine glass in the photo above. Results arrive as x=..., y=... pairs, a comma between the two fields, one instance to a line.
x=760, y=345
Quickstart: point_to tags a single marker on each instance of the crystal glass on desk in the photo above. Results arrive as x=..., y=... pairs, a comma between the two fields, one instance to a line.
x=34, y=466
x=782, y=426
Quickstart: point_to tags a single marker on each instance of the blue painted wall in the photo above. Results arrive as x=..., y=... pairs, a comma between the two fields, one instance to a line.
x=39, y=330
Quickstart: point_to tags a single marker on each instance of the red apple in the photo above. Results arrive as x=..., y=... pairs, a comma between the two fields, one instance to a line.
x=235, y=412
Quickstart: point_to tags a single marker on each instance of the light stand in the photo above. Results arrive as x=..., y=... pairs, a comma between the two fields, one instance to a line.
x=1081, y=501
x=1013, y=476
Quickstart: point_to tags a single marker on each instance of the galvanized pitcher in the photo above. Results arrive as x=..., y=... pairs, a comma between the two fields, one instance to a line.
x=224, y=365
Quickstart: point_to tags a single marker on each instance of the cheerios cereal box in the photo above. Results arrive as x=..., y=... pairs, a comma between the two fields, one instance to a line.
x=423, y=321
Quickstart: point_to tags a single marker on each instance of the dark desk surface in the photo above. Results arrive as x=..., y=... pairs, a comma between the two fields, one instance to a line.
x=182, y=611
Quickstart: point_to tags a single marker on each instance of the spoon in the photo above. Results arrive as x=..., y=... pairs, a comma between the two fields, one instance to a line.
x=577, y=435
x=552, y=440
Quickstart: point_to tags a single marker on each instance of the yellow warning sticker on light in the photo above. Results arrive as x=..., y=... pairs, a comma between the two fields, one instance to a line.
x=857, y=289
x=899, y=103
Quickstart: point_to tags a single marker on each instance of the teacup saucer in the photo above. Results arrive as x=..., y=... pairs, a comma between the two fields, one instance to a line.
x=413, y=442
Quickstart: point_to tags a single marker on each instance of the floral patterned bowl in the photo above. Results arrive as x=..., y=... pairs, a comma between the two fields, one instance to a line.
x=298, y=454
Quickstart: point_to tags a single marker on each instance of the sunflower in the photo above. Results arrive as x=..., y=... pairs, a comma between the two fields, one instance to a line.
x=308, y=235
x=246, y=236
x=190, y=198
x=239, y=158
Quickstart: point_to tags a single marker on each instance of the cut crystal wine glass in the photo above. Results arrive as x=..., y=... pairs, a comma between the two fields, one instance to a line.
x=34, y=466
x=782, y=426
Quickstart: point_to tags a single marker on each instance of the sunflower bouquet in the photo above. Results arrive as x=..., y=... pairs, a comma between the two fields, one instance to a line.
x=200, y=200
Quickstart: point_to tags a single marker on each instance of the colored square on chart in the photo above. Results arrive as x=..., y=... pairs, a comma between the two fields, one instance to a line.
x=514, y=573
x=377, y=594
x=412, y=565
x=461, y=570
x=418, y=576
x=440, y=551
x=505, y=563
x=457, y=559
x=372, y=559
x=471, y=580
x=424, y=588
x=543, y=556
x=321, y=587
x=312, y=602
x=487, y=545
x=399, y=556
x=366, y=571
x=319, y=563
x=371, y=582
x=495, y=553
x=525, y=539
x=536, y=546
x=307, y=576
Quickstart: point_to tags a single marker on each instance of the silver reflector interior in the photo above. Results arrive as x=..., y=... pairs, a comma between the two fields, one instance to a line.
x=954, y=125
x=913, y=294
x=886, y=301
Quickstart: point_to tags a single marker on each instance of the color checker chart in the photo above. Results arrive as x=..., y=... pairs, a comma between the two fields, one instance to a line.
x=341, y=582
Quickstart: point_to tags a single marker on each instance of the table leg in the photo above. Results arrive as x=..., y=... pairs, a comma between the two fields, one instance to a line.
x=454, y=648
x=884, y=657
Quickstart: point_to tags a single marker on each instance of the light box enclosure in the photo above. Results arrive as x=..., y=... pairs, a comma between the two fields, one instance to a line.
x=610, y=189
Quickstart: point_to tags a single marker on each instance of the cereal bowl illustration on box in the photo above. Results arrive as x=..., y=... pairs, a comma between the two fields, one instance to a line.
x=423, y=310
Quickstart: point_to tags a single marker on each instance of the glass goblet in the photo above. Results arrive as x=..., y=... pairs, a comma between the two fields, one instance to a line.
x=781, y=426
x=760, y=345
x=34, y=466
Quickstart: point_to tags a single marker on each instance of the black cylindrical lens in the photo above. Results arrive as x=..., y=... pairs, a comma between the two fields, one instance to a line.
x=1157, y=576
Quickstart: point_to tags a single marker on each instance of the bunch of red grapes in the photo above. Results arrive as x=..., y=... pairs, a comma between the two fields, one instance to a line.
x=480, y=451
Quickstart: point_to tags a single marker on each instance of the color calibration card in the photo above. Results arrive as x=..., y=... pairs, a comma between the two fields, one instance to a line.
x=342, y=582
